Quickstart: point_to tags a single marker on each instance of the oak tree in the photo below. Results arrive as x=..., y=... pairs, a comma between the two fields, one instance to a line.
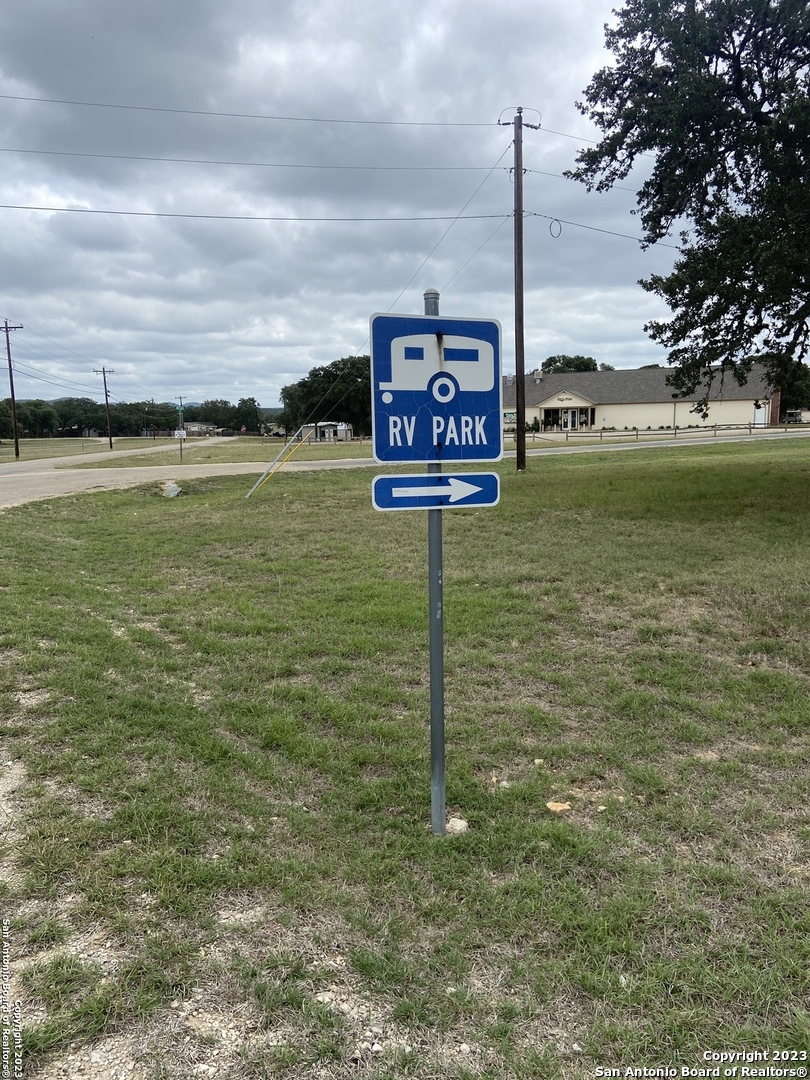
x=717, y=94
x=562, y=363
x=339, y=391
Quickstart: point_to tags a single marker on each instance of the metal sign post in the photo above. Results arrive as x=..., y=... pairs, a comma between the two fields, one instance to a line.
x=438, y=799
x=436, y=398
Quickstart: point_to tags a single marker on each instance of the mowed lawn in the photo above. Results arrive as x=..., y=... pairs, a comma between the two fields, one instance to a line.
x=215, y=753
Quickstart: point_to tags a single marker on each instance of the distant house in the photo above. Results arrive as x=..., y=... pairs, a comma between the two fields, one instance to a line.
x=327, y=431
x=636, y=398
x=199, y=428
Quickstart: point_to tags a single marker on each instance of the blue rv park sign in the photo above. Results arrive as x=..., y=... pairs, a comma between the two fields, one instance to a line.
x=436, y=389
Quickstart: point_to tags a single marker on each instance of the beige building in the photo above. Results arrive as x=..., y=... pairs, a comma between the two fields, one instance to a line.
x=636, y=398
x=327, y=431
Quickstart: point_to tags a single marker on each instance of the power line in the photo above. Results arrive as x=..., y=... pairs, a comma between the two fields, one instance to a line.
x=30, y=373
x=424, y=261
x=593, y=228
x=26, y=373
x=239, y=217
x=249, y=164
x=566, y=135
x=477, y=250
x=452, y=223
x=245, y=116
x=284, y=164
x=59, y=345
x=562, y=176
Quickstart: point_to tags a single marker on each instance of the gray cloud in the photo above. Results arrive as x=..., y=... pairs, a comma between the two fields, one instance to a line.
x=229, y=308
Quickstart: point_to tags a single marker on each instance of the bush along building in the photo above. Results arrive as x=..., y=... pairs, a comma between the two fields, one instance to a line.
x=636, y=398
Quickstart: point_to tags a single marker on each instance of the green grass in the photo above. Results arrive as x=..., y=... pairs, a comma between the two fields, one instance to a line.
x=244, y=448
x=36, y=449
x=222, y=707
x=196, y=451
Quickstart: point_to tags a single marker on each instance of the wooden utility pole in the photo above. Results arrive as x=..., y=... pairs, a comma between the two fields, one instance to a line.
x=105, y=372
x=520, y=365
x=11, y=387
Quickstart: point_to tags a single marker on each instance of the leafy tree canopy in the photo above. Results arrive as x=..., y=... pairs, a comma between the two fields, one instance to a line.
x=562, y=363
x=36, y=418
x=217, y=411
x=794, y=382
x=6, y=422
x=718, y=93
x=247, y=415
x=78, y=413
x=340, y=391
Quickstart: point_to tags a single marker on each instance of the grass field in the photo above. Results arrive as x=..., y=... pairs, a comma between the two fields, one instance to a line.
x=35, y=449
x=207, y=451
x=166, y=451
x=216, y=715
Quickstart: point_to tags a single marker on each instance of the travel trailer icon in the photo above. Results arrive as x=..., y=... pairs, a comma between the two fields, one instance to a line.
x=440, y=363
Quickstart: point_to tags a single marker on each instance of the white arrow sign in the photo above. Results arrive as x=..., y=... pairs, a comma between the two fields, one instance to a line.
x=459, y=489
x=436, y=492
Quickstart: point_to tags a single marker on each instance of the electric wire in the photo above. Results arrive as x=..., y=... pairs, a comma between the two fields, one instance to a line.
x=279, y=218
x=242, y=217
x=477, y=250
x=415, y=274
x=453, y=222
x=21, y=345
x=27, y=373
x=593, y=228
x=245, y=116
x=58, y=344
x=248, y=164
x=562, y=176
x=288, y=119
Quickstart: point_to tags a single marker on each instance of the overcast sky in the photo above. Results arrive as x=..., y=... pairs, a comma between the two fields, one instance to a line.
x=370, y=109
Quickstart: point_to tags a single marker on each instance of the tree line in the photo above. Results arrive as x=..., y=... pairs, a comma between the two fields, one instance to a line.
x=67, y=417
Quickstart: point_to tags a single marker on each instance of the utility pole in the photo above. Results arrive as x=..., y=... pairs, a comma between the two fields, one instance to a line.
x=105, y=372
x=520, y=365
x=11, y=387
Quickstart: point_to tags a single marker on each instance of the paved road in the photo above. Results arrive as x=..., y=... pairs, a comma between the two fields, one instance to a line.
x=29, y=481
x=47, y=478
